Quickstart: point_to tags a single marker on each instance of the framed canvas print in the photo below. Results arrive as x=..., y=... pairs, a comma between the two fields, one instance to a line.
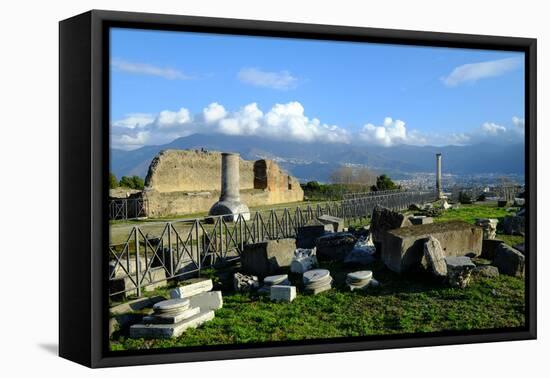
x=234, y=188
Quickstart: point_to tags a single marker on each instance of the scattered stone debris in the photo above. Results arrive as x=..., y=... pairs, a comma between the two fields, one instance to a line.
x=363, y=252
x=509, y=261
x=245, y=283
x=210, y=300
x=282, y=293
x=194, y=287
x=435, y=257
x=304, y=259
x=265, y=258
x=445, y=205
x=359, y=280
x=520, y=247
x=337, y=223
x=384, y=219
x=459, y=271
x=487, y=271
x=514, y=225
x=489, y=248
x=170, y=319
x=519, y=202
x=281, y=279
x=335, y=246
x=135, y=305
x=306, y=236
x=489, y=227
x=317, y=280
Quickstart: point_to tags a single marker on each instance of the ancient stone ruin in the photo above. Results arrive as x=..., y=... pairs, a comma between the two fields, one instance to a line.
x=190, y=181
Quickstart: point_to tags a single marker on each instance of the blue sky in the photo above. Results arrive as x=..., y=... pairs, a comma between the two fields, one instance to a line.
x=166, y=85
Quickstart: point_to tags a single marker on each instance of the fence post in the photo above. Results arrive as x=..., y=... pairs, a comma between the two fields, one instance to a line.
x=138, y=262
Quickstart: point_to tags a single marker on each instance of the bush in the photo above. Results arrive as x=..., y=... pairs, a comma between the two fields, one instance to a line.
x=134, y=182
x=383, y=182
x=113, y=183
x=482, y=197
x=464, y=198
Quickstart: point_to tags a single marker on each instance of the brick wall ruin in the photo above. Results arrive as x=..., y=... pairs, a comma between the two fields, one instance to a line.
x=188, y=181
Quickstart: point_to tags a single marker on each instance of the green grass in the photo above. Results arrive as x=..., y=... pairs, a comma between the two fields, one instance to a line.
x=413, y=303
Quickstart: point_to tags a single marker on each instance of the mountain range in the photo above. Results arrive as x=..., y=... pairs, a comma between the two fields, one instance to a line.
x=315, y=161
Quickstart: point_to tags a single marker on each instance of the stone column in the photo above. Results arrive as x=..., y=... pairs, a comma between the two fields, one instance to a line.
x=230, y=177
x=230, y=204
x=438, y=186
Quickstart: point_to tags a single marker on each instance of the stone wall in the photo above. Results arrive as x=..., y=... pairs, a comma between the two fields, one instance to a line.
x=187, y=182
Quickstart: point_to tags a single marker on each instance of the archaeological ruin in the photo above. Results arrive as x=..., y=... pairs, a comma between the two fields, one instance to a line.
x=188, y=182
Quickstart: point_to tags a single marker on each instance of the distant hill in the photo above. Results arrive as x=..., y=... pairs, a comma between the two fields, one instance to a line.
x=315, y=161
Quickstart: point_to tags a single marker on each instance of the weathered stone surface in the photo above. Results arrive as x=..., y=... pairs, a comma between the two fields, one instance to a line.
x=123, y=322
x=280, y=279
x=363, y=252
x=135, y=305
x=306, y=236
x=489, y=248
x=487, y=271
x=210, y=300
x=514, y=225
x=171, y=318
x=335, y=246
x=337, y=223
x=359, y=280
x=315, y=275
x=317, y=280
x=489, y=227
x=502, y=203
x=125, y=286
x=245, y=283
x=509, y=261
x=304, y=259
x=420, y=219
x=282, y=293
x=459, y=270
x=383, y=220
x=519, y=201
x=403, y=248
x=171, y=306
x=520, y=247
x=266, y=258
x=374, y=283
x=435, y=258
x=154, y=331
x=194, y=287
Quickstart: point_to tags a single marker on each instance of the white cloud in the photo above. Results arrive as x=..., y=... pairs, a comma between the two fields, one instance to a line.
x=390, y=133
x=476, y=71
x=213, y=112
x=276, y=80
x=289, y=122
x=148, y=69
x=491, y=128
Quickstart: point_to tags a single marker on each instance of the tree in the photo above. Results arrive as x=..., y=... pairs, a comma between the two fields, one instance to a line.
x=134, y=182
x=383, y=182
x=312, y=186
x=113, y=183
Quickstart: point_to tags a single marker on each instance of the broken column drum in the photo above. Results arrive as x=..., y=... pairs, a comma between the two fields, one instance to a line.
x=438, y=186
x=230, y=201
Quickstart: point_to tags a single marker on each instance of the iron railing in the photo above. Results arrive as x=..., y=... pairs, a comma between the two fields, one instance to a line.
x=127, y=208
x=184, y=247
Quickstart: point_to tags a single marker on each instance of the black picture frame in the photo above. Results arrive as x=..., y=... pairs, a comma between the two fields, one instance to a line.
x=84, y=159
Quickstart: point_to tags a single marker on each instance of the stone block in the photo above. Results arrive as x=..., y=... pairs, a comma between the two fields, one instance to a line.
x=459, y=270
x=335, y=246
x=363, y=252
x=435, y=258
x=489, y=227
x=245, y=283
x=306, y=236
x=487, y=271
x=135, y=305
x=165, y=331
x=420, y=219
x=514, y=225
x=123, y=322
x=194, y=287
x=489, y=248
x=383, y=220
x=210, y=300
x=171, y=319
x=337, y=223
x=509, y=261
x=304, y=259
x=155, y=278
x=266, y=258
x=283, y=293
x=403, y=248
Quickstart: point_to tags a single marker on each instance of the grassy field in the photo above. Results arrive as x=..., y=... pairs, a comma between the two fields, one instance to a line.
x=401, y=304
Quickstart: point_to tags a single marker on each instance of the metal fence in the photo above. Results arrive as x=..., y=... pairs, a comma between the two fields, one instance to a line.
x=127, y=208
x=355, y=195
x=184, y=247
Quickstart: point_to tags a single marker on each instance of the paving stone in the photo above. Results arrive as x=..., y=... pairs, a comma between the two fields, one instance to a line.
x=153, y=331
x=282, y=293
